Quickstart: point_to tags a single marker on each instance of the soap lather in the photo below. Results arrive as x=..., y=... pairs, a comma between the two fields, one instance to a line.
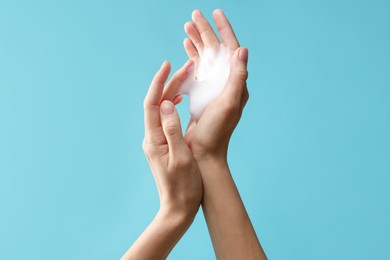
x=212, y=73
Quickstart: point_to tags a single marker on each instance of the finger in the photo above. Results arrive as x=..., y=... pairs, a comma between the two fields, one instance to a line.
x=152, y=99
x=194, y=35
x=192, y=53
x=176, y=81
x=191, y=50
x=177, y=100
x=157, y=85
x=205, y=30
x=236, y=84
x=171, y=126
x=225, y=30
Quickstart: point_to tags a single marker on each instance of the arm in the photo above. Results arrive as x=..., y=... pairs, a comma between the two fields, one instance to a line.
x=174, y=169
x=159, y=238
x=229, y=225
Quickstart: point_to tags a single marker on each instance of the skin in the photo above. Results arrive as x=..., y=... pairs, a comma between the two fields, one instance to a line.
x=229, y=225
x=193, y=170
x=174, y=169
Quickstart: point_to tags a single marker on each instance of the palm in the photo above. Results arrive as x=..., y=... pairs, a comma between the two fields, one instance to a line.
x=218, y=120
x=206, y=133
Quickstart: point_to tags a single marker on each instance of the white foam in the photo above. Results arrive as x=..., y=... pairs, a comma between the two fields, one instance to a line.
x=212, y=73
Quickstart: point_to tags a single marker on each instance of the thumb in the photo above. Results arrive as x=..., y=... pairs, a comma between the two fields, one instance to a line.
x=171, y=125
x=236, y=83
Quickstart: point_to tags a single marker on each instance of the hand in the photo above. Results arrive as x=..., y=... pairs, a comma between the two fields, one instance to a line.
x=176, y=174
x=174, y=169
x=230, y=228
x=209, y=137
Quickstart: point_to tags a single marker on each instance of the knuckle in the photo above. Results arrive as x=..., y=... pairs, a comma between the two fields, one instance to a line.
x=145, y=146
x=145, y=103
x=198, y=43
x=204, y=30
x=170, y=129
x=182, y=162
x=148, y=148
x=242, y=74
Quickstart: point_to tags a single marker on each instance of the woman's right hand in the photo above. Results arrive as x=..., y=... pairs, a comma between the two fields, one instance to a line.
x=209, y=138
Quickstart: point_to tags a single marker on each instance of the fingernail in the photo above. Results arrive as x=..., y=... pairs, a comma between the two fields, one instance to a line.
x=167, y=108
x=243, y=54
x=218, y=10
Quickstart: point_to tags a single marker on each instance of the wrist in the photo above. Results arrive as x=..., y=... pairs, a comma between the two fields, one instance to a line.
x=176, y=217
x=207, y=160
x=182, y=206
x=204, y=152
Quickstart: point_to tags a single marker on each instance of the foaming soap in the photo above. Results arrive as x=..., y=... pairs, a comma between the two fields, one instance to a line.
x=212, y=73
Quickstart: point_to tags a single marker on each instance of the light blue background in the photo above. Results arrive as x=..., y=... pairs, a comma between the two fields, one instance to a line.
x=311, y=155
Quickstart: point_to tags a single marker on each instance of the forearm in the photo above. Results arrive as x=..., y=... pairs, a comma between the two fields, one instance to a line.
x=230, y=228
x=157, y=241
